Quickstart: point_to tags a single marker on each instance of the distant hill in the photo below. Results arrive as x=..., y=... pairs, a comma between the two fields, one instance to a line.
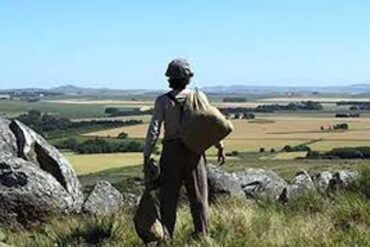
x=233, y=89
x=242, y=89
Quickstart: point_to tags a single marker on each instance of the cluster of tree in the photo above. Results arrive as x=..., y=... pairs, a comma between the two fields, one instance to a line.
x=244, y=115
x=234, y=99
x=356, y=105
x=302, y=106
x=115, y=112
x=45, y=123
x=101, y=146
x=104, y=123
x=342, y=153
x=362, y=107
x=297, y=148
x=272, y=150
x=347, y=115
x=341, y=126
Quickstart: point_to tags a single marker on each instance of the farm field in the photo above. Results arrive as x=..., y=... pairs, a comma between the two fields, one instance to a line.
x=82, y=101
x=92, y=163
x=121, y=175
x=316, y=99
x=10, y=108
x=268, y=131
x=276, y=132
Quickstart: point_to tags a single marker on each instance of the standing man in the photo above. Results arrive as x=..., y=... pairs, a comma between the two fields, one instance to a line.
x=178, y=164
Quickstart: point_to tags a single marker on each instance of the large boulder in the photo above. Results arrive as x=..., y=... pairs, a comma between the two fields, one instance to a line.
x=322, y=181
x=8, y=142
x=34, y=148
x=259, y=183
x=28, y=194
x=300, y=185
x=104, y=199
x=221, y=183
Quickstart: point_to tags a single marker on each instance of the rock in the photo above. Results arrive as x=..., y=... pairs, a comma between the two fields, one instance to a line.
x=130, y=199
x=8, y=142
x=34, y=148
x=221, y=183
x=322, y=181
x=104, y=199
x=29, y=194
x=300, y=185
x=343, y=179
x=259, y=183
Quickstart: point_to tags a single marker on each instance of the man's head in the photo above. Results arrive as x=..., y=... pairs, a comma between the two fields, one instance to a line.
x=179, y=73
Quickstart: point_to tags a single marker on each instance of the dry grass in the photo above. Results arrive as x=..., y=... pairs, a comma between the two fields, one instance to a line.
x=91, y=163
x=289, y=155
x=343, y=220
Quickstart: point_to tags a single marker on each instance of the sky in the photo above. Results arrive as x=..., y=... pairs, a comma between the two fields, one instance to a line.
x=128, y=44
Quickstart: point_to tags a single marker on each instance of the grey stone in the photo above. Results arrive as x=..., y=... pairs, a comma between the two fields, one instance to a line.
x=27, y=193
x=8, y=142
x=343, y=179
x=300, y=185
x=259, y=183
x=34, y=148
x=322, y=181
x=104, y=199
x=221, y=183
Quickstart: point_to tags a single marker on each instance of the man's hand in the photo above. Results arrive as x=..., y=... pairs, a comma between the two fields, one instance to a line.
x=221, y=156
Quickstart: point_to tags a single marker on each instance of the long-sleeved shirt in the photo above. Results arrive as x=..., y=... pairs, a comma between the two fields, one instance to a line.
x=165, y=110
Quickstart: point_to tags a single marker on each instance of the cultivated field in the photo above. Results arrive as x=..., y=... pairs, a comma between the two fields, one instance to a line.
x=91, y=163
x=267, y=131
x=276, y=132
x=316, y=99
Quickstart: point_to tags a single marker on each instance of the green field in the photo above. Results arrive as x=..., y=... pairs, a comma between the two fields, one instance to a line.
x=11, y=108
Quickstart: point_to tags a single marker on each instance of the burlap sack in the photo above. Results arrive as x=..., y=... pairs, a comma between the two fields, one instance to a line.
x=202, y=125
x=147, y=217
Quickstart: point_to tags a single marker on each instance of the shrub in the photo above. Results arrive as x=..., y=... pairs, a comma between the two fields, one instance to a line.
x=345, y=153
x=101, y=146
x=342, y=153
x=233, y=153
x=341, y=126
x=234, y=99
x=313, y=155
x=122, y=135
x=262, y=150
x=298, y=148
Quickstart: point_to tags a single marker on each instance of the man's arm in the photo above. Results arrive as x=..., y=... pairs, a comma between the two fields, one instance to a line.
x=154, y=129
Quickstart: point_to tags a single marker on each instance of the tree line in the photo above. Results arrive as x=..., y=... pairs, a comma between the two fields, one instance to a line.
x=45, y=123
x=301, y=106
x=99, y=145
